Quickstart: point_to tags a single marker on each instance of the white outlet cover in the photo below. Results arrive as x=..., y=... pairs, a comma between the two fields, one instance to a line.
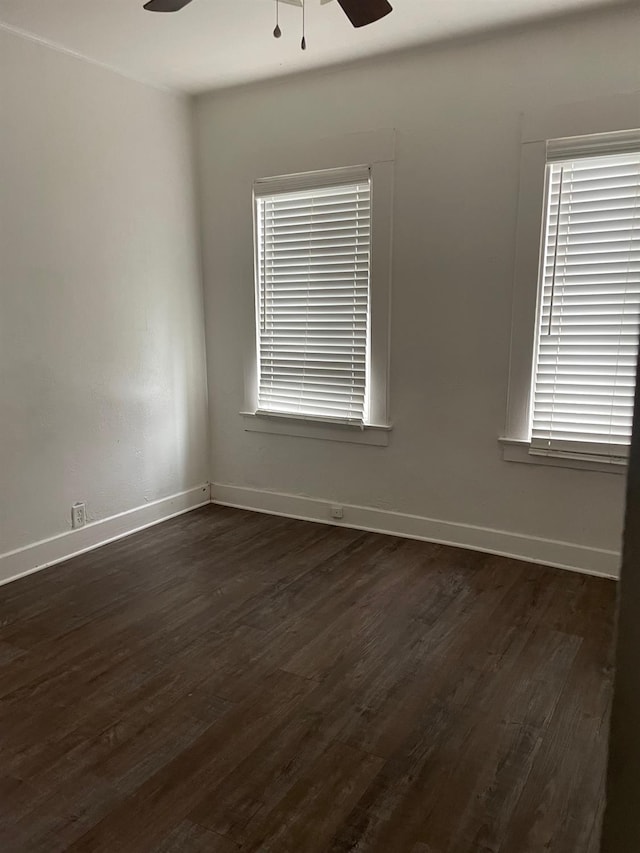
x=78, y=515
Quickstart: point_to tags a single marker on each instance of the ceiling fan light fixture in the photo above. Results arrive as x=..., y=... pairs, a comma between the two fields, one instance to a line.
x=359, y=12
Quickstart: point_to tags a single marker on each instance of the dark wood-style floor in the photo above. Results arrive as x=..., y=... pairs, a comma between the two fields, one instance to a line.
x=232, y=681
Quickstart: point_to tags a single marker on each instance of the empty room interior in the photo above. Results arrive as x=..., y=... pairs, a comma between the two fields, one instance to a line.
x=320, y=507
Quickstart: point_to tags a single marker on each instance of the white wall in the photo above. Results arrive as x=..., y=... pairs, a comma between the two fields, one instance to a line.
x=102, y=369
x=457, y=112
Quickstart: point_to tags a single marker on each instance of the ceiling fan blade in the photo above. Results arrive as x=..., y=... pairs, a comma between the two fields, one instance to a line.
x=363, y=12
x=166, y=5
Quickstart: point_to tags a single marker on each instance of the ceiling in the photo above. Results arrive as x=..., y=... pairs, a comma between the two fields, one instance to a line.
x=215, y=43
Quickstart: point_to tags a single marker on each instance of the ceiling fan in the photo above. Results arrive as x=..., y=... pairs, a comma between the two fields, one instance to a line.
x=359, y=12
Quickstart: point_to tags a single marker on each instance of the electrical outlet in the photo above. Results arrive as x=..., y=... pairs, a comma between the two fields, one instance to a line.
x=337, y=512
x=78, y=515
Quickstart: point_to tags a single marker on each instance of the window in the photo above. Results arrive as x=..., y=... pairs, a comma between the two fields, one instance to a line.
x=589, y=304
x=313, y=253
x=575, y=334
x=322, y=259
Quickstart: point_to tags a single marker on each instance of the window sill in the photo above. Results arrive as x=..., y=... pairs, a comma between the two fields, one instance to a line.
x=373, y=434
x=517, y=450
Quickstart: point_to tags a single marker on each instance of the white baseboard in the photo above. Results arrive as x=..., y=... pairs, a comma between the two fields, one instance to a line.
x=57, y=549
x=548, y=552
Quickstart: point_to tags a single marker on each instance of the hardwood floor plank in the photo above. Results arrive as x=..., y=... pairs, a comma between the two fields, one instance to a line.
x=191, y=838
x=233, y=681
x=310, y=813
x=172, y=792
x=137, y=620
x=569, y=768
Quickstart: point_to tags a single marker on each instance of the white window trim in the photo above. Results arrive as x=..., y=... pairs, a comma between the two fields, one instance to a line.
x=380, y=146
x=275, y=424
x=515, y=450
x=609, y=115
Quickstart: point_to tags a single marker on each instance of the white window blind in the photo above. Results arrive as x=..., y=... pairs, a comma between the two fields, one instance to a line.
x=589, y=305
x=313, y=275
